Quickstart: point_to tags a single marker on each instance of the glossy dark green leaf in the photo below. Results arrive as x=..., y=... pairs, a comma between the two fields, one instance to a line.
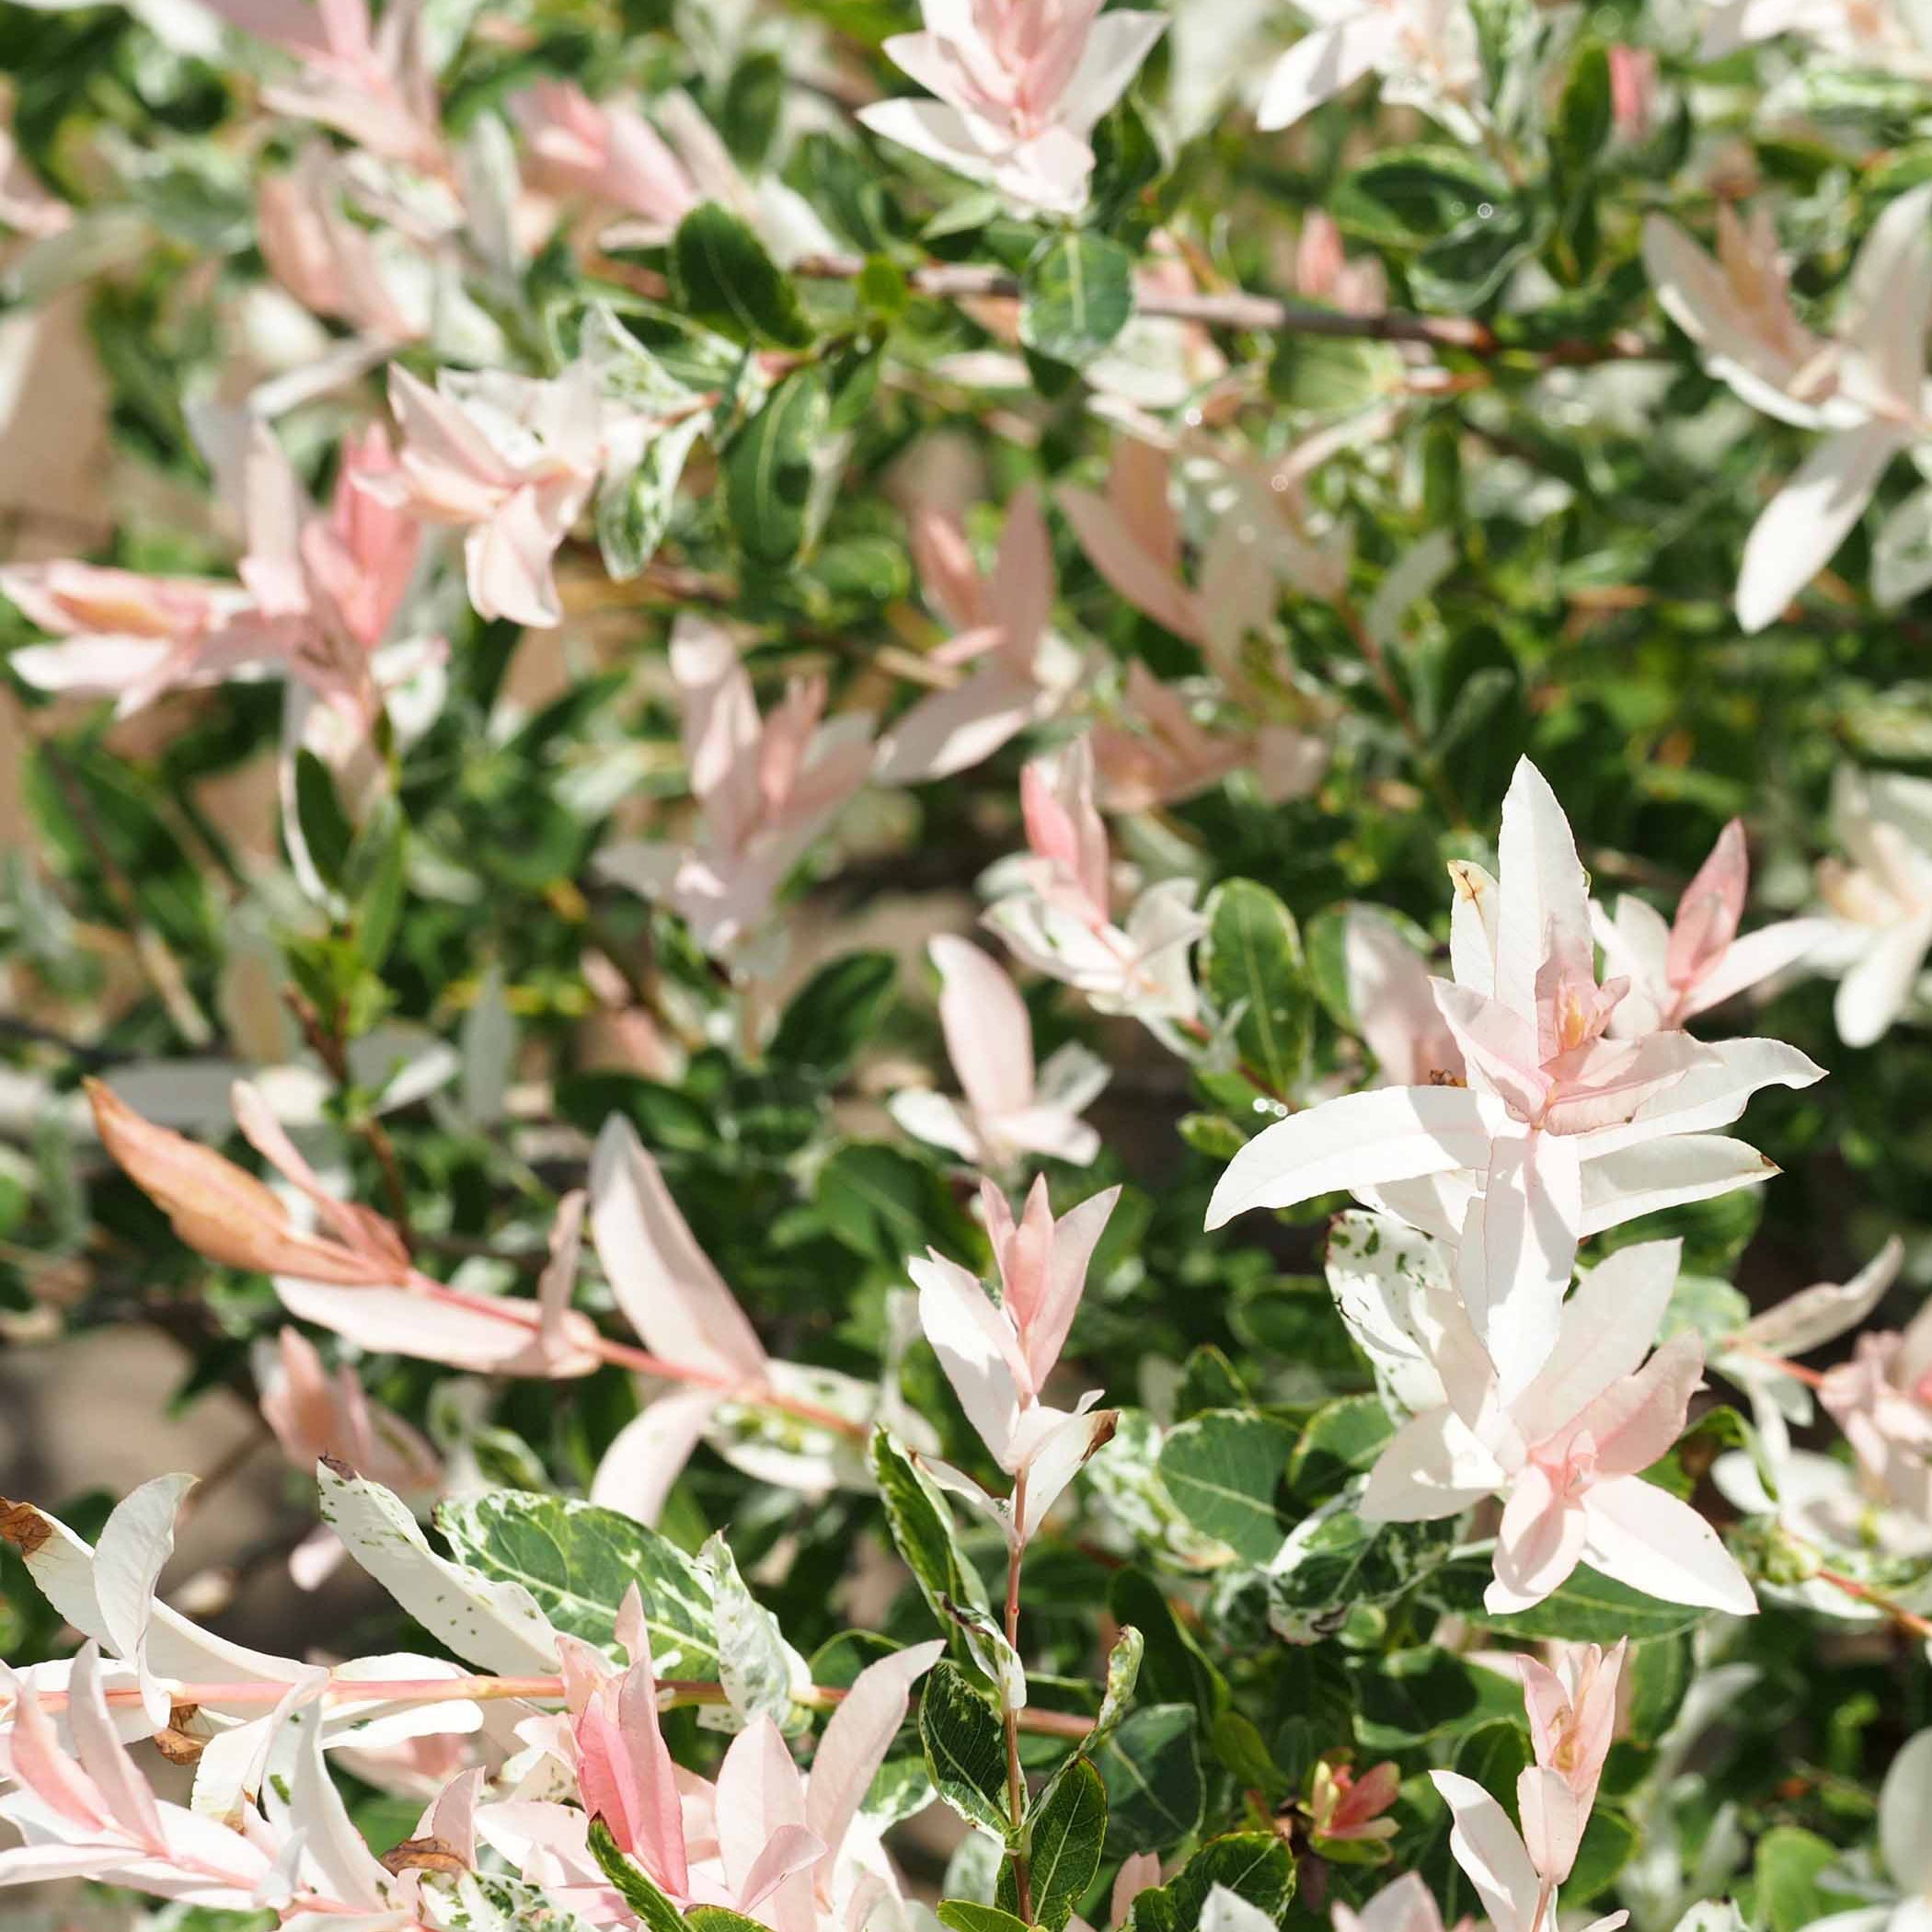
x=725, y=279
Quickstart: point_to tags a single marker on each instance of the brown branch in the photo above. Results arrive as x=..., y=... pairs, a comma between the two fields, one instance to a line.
x=1268, y=315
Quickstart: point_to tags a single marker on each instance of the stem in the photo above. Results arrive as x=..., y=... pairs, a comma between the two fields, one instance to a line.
x=1194, y=1029
x=1016, y=1779
x=1545, y=1894
x=1905, y=1619
x=950, y=282
x=674, y=1693
x=326, y=1042
x=1795, y=1370
x=522, y=1315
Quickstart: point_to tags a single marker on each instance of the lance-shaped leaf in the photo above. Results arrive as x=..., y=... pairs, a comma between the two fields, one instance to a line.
x=495, y=1625
x=965, y=1749
x=576, y=1561
x=727, y=281
x=1065, y=1831
x=755, y=1664
x=1251, y=964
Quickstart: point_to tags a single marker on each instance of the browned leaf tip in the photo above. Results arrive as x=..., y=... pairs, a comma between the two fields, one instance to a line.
x=23, y=1525
x=423, y=1855
x=179, y=1744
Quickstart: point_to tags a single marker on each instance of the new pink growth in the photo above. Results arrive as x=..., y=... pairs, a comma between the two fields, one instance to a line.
x=765, y=787
x=1698, y=961
x=1572, y=1717
x=605, y=151
x=1348, y=1809
x=1020, y=85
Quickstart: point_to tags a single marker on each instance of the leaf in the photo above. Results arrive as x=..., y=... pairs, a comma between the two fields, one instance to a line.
x=1124, y=1672
x=720, y=1919
x=965, y=1916
x=1075, y=296
x=327, y=829
x=769, y=469
x=1065, y=1831
x=1657, y=1674
x=753, y=1660
x=1408, y=197
x=1584, y=115
x=965, y=1749
x=1255, y=1866
x=480, y=1902
x=1251, y=964
x=634, y=510
x=492, y=1623
x=1407, y=1699
x=887, y=1204
x=1152, y=1770
x=725, y=279
x=1785, y=1871
x=923, y=1531
x=1223, y=1470
x=1496, y=1755
x=654, y=1911
x=1587, y=1608
x=1609, y=1839
x=1335, y=1563
x=830, y=1018
x=576, y=1561
x=1173, y=1668
x=1339, y=1440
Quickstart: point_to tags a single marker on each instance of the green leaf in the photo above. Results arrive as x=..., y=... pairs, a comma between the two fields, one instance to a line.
x=1251, y=963
x=655, y=1911
x=835, y=1012
x=1335, y=1563
x=1123, y=1673
x=1587, y=1608
x=1255, y=1866
x=1208, y=1380
x=1408, y=197
x=1584, y=115
x=887, y=1204
x=1407, y=1699
x=1152, y=1770
x=1075, y=296
x=577, y=1561
x=754, y=1662
x=1341, y=1438
x=326, y=828
x=1065, y=1831
x=923, y=1531
x=1173, y=1668
x=753, y=99
x=634, y=512
x=964, y=1915
x=1496, y=1755
x=376, y=879
x=480, y=1902
x=769, y=469
x=719, y=1918
x=725, y=279
x=1608, y=1841
x=1658, y=1674
x=965, y=1749
x=1223, y=1470
x=1786, y=1869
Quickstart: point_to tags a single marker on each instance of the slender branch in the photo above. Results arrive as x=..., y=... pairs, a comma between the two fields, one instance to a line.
x=328, y=1044
x=1905, y=1619
x=674, y=1693
x=1016, y=1779
x=1237, y=308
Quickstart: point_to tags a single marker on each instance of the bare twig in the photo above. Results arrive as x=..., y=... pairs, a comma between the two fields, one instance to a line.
x=1268, y=315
